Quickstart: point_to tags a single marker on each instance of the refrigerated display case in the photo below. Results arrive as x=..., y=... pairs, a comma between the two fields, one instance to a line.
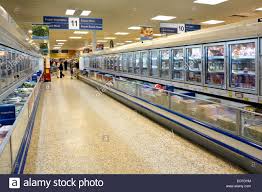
x=243, y=67
x=137, y=63
x=215, y=65
x=154, y=66
x=145, y=63
x=165, y=63
x=118, y=65
x=193, y=65
x=130, y=60
x=178, y=64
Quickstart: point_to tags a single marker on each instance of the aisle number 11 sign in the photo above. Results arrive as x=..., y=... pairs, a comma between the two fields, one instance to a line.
x=73, y=23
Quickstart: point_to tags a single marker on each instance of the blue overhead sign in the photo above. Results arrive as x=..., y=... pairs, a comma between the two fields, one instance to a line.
x=192, y=27
x=178, y=28
x=73, y=23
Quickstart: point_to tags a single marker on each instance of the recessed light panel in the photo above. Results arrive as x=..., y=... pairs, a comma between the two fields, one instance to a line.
x=210, y=2
x=61, y=40
x=135, y=28
x=81, y=32
x=121, y=33
x=128, y=41
x=75, y=37
x=213, y=22
x=110, y=38
x=101, y=41
x=85, y=13
x=70, y=12
x=259, y=9
x=163, y=18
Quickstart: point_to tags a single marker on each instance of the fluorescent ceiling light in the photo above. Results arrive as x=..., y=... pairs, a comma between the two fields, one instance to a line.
x=210, y=2
x=57, y=48
x=137, y=39
x=259, y=9
x=60, y=43
x=85, y=13
x=119, y=43
x=61, y=40
x=157, y=35
x=163, y=18
x=106, y=47
x=75, y=37
x=70, y=12
x=128, y=41
x=135, y=28
x=101, y=41
x=213, y=22
x=27, y=39
x=30, y=31
x=110, y=38
x=81, y=32
x=121, y=33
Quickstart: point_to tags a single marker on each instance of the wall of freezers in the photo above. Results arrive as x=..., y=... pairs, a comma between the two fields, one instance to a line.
x=15, y=65
x=229, y=65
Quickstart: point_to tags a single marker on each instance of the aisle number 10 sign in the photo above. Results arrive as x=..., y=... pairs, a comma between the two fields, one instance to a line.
x=73, y=23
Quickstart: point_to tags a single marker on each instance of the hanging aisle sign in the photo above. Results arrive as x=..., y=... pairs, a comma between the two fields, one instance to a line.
x=73, y=23
x=178, y=28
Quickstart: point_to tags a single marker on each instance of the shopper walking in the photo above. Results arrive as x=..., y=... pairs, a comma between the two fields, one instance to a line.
x=61, y=68
x=65, y=65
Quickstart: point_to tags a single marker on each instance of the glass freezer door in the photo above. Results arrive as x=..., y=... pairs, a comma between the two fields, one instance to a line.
x=144, y=63
x=243, y=65
x=154, y=63
x=130, y=62
x=124, y=62
x=178, y=64
x=165, y=63
x=194, y=65
x=137, y=63
x=215, y=65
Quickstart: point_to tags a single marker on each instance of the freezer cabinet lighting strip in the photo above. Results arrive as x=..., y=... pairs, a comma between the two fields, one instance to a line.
x=210, y=2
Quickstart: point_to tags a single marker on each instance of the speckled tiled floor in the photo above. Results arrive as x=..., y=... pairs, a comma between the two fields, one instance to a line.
x=77, y=131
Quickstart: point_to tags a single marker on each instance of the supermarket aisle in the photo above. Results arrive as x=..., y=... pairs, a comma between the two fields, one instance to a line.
x=77, y=131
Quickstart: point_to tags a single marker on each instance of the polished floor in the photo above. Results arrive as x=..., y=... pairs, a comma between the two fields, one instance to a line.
x=78, y=130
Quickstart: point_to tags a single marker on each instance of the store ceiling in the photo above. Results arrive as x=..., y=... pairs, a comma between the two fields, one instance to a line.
x=118, y=15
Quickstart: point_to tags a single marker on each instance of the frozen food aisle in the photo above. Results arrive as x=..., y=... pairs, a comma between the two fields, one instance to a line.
x=79, y=130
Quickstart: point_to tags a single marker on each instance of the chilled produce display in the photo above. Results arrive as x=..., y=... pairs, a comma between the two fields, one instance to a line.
x=243, y=65
x=165, y=63
x=194, y=65
x=214, y=63
x=178, y=62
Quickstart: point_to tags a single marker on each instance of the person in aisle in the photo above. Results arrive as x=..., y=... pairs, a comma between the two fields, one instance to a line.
x=61, y=68
x=72, y=70
x=65, y=65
